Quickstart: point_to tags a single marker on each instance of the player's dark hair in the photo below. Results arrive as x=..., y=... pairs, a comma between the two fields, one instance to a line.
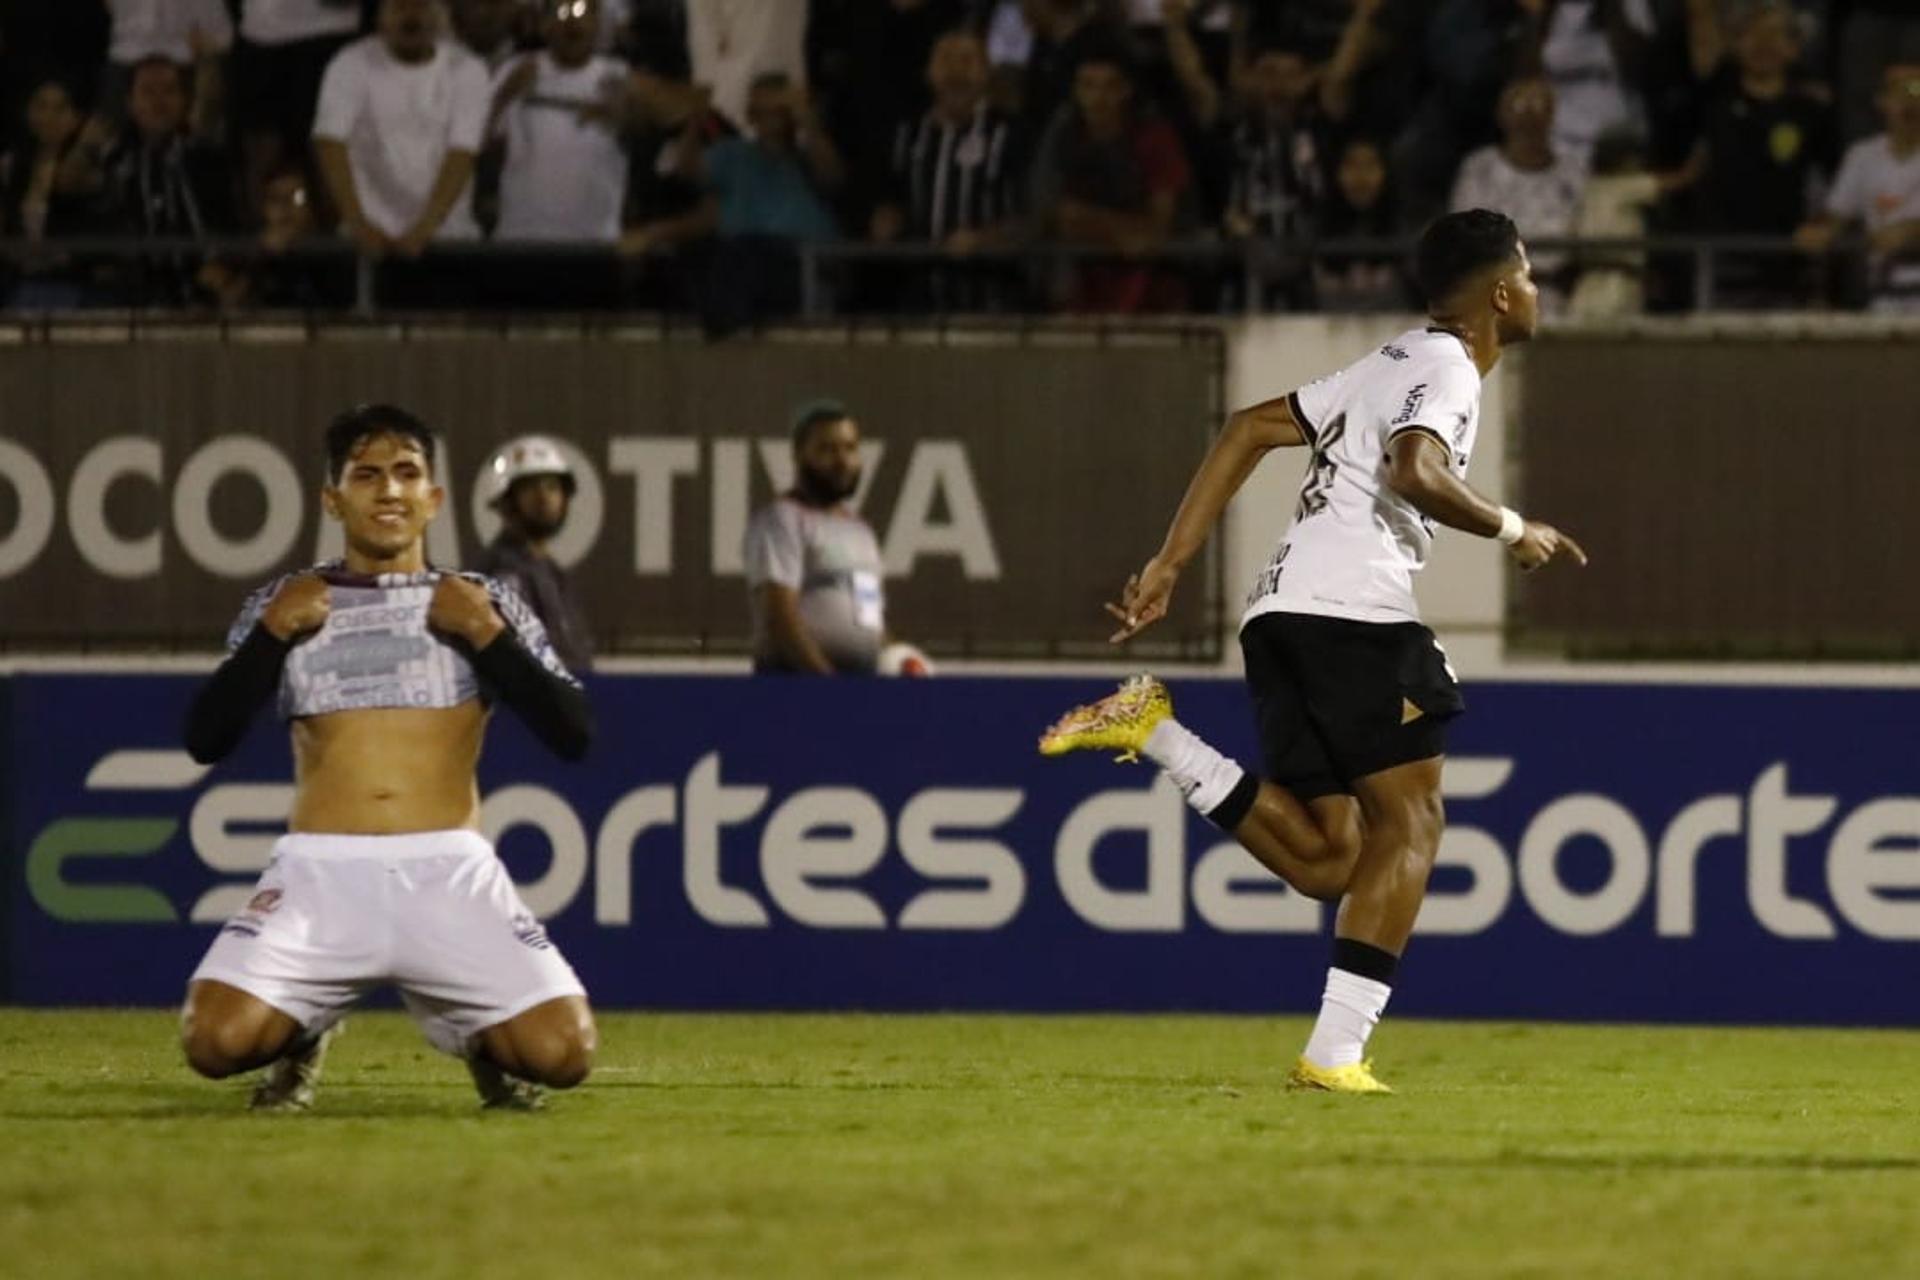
x=345, y=433
x=813, y=415
x=1458, y=246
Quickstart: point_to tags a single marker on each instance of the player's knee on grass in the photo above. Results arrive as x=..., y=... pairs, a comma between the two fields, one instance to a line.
x=550, y=1044
x=224, y=1031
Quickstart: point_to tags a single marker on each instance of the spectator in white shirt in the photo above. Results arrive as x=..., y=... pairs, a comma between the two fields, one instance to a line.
x=1878, y=189
x=283, y=50
x=1526, y=179
x=402, y=115
x=1595, y=54
x=561, y=114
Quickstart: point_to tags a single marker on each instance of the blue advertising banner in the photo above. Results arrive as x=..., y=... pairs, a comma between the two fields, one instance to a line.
x=1614, y=852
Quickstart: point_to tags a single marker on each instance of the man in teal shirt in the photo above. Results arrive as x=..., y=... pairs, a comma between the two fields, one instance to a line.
x=767, y=192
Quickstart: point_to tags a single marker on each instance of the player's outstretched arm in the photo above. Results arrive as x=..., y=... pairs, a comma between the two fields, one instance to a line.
x=1418, y=470
x=1249, y=434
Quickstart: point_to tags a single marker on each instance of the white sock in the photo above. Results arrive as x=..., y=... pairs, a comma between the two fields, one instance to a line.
x=1206, y=776
x=1349, y=1009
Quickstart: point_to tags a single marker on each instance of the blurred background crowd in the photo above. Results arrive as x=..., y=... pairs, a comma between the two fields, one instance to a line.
x=748, y=159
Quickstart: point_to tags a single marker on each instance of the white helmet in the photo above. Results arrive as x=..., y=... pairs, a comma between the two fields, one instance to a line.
x=522, y=457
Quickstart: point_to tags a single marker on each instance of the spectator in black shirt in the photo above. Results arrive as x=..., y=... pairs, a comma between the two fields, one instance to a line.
x=1065, y=33
x=1362, y=206
x=155, y=180
x=1766, y=138
x=283, y=272
x=531, y=485
x=1271, y=141
x=955, y=177
x=955, y=172
x=33, y=206
x=868, y=63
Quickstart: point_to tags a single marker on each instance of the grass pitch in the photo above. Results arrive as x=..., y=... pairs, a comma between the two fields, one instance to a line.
x=992, y=1146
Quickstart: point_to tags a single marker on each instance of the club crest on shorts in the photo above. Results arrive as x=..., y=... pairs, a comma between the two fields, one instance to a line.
x=265, y=902
x=530, y=931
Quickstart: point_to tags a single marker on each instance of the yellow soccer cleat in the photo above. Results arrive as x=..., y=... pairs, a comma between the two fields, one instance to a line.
x=1119, y=722
x=1355, y=1077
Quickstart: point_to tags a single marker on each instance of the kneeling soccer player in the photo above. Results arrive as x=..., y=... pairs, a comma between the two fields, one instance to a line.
x=385, y=669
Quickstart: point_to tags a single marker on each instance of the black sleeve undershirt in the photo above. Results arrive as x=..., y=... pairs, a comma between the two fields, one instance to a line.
x=553, y=707
x=226, y=703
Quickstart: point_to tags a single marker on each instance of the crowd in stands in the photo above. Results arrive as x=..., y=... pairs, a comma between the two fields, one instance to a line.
x=1190, y=150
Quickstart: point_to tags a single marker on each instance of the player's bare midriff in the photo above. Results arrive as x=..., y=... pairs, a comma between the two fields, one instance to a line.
x=387, y=771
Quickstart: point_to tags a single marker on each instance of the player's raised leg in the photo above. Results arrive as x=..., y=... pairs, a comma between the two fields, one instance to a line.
x=1312, y=846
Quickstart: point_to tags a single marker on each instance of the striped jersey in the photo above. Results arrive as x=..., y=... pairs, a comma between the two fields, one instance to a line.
x=956, y=178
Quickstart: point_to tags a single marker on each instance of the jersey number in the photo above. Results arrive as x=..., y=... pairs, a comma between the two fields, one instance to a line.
x=1318, y=486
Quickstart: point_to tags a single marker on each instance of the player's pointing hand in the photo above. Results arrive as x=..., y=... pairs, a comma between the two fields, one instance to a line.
x=1145, y=599
x=1541, y=543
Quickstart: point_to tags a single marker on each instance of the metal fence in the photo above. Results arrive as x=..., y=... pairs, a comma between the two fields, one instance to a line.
x=1702, y=273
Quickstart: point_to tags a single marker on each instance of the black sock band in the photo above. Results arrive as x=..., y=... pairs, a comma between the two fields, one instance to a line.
x=1364, y=960
x=1231, y=812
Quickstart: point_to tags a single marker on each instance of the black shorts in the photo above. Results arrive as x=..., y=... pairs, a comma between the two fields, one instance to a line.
x=1336, y=700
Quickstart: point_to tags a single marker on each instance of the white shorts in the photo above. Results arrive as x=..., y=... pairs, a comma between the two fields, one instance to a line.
x=433, y=913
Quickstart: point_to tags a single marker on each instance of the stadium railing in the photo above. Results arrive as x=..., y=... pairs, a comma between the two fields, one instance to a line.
x=1253, y=267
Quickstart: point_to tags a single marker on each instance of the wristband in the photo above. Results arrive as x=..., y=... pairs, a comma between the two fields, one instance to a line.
x=1512, y=527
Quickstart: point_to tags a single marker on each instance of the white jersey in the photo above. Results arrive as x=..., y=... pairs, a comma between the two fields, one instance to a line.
x=1354, y=544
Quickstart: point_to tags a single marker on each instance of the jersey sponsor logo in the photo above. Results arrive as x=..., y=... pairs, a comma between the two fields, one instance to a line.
x=1416, y=397
x=370, y=653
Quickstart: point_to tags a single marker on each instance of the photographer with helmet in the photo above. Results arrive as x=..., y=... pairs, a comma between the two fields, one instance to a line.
x=531, y=485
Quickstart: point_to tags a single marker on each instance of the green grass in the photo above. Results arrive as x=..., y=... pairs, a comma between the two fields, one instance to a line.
x=991, y=1146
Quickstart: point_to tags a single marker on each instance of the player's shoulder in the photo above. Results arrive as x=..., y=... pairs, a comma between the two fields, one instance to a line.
x=505, y=594
x=488, y=577
x=271, y=587
x=1431, y=354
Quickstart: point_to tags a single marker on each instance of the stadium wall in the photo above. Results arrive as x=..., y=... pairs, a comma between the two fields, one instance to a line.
x=147, y=482
x=1722, y=854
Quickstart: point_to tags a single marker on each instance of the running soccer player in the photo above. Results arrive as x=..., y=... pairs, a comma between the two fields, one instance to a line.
x=1351, y=693
x=385, y=668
